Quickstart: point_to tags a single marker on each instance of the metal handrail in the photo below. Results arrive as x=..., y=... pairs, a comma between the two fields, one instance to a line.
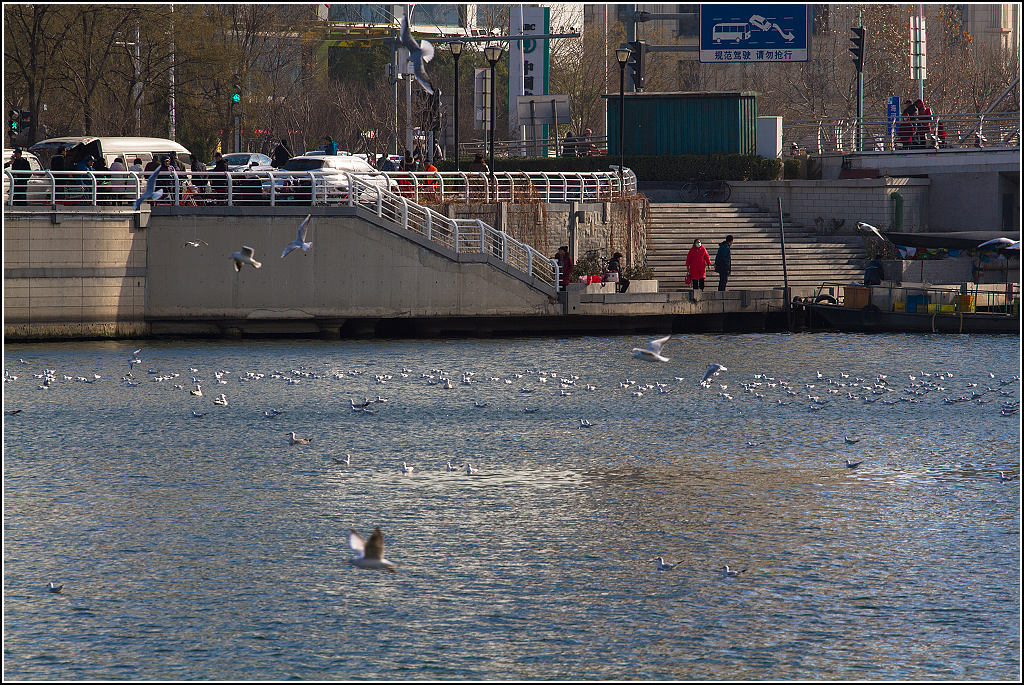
x=945, y=131
x=274, y=188
x=369, y=191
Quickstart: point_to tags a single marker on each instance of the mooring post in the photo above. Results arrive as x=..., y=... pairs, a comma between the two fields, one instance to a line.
x=785, y=274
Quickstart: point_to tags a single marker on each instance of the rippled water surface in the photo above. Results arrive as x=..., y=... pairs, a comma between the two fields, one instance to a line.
x=208, y=548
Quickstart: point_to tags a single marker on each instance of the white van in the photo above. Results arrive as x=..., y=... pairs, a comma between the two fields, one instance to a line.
x=38, y=187
x=109, y=148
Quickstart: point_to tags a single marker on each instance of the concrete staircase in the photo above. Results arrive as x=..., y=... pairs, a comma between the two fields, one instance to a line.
x=756, y=248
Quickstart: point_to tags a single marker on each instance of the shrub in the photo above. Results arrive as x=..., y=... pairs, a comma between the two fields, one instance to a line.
x=793, y=167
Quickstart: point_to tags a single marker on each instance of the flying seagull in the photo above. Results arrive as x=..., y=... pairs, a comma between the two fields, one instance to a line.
x=244, y=256
x=151, y=193
x=713, y=370
x=194, y=243
x=653, y=350
x=419, y=54
x=371, y=552
x=300, y=239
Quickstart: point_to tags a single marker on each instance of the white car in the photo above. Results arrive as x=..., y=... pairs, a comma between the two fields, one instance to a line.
x=331, y=174
x=246, y=161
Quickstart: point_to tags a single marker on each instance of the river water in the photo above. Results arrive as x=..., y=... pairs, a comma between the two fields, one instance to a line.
x=208, y=548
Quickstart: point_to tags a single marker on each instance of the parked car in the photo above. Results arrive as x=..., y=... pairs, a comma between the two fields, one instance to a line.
x=109, y=148
x=330, y=173
x=246, y=161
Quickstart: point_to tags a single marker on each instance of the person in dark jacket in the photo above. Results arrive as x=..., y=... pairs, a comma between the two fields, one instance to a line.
x=614, y=265
x=218, y=180
x=281, y=154
x=723, y=262
x=19, y=163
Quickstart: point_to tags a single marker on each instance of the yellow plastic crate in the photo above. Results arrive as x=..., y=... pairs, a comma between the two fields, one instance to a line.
x=965, y=303
x=946, y=308
x=899, y=306
x=933, y=308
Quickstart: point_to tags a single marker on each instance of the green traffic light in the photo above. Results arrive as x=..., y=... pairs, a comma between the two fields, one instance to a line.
x=14, y=125
x=236, y=98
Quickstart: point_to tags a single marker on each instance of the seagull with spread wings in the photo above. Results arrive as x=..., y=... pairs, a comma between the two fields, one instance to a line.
x=419, y=53
x=371, y=552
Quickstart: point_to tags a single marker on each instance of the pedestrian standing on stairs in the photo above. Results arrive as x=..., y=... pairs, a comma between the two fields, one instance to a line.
x=697, y=262
x=723, y=262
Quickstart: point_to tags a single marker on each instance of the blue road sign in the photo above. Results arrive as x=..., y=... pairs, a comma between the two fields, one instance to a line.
x=892, y=111
x=754, y=33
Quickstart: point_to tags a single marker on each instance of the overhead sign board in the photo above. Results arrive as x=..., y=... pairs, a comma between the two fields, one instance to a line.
x=528, y=60
x=754, y=33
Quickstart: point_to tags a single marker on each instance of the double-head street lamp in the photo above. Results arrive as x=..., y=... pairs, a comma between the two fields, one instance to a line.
x=456, y=47
x=493, y=54
x=622, y=55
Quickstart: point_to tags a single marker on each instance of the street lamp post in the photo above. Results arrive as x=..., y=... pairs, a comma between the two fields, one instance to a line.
x=456, y=47
x=493, y=54
x=622, y=55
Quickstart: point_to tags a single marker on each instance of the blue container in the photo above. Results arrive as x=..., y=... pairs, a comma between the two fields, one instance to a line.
x=915, y=302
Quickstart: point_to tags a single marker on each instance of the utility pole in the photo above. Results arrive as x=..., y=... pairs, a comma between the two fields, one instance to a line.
x=170, y=116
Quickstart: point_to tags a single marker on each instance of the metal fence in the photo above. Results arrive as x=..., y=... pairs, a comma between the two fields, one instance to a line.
x=374, y=193
x=552, y=146
x=819, y=136
x=277, y=188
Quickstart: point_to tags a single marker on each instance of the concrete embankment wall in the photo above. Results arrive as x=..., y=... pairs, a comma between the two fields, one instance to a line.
x=356, y=268
x=835, y=206
x=74, y=275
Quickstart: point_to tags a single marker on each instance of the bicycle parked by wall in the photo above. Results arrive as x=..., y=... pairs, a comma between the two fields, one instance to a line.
x=702, y=190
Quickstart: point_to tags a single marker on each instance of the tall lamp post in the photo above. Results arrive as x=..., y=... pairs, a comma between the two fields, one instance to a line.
x=493, y=54
x=456, y=47
x=622, y=55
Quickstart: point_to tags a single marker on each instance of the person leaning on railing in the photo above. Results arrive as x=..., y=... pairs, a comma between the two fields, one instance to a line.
x=20, y=189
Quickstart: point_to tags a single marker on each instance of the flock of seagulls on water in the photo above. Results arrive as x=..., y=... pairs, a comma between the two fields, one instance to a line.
x=763, y=390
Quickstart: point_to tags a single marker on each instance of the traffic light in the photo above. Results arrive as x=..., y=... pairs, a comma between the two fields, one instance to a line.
x=859, y=40
x=14, y=120
x=25, y=120
x=236, y=98
x=637, y=49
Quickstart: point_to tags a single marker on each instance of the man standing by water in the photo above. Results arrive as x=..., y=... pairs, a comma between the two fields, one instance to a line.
x=723, y=262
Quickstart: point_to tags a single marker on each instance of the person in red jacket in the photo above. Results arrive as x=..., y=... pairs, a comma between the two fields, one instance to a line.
x=697, y=262
x=564, y=260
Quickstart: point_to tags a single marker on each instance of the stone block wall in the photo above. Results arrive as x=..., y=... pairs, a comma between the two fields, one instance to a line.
x=81, y=272
x=603, y=226
x=834, y=207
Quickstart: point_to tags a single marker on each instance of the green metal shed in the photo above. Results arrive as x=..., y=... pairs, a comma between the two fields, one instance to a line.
x=683, y=123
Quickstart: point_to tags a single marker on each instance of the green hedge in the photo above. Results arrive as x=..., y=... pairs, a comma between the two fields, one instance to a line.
x=651, y=168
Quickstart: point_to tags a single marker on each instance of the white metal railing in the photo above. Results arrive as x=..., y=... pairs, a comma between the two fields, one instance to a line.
x=275, y=188
x=505, y=186
x=374, y=193
x=819, y=136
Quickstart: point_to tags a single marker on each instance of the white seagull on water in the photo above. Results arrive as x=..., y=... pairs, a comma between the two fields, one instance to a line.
x=653, y=350
x=419, y=54
x=300, y=239
x=244, y=256
x=298, y=441
x=406, y=468
x=151, y=193
x=731, y=572
x=853, y=464
x=371, y=552
x=665, y=566
x=53, y=587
